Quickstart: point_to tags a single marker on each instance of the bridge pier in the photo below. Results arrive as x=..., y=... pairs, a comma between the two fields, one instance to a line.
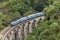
x=35, y=22
x=16, y=32
x=6, y=38
x=12, y=36
x=25, y=31
x=21, y=34
x=30, y=27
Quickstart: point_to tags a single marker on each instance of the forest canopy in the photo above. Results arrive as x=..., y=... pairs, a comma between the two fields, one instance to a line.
x=49, y=29
x=15, y=9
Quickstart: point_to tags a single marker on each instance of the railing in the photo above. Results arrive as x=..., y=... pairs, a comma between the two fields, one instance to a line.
x=21, y=30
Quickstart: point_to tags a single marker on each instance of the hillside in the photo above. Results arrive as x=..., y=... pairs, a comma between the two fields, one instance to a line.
x=49, y=29
x=11, y=10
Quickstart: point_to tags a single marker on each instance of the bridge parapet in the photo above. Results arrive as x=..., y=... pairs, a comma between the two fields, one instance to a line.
x=21, y=30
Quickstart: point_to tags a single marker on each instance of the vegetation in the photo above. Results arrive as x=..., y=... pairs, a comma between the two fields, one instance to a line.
x=49, y=29
x=14, y=9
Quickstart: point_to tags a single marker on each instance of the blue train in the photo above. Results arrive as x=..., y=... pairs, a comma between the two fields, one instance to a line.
x=26, y=18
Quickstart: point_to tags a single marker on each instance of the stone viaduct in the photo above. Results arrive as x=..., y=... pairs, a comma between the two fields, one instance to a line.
x=21, y=30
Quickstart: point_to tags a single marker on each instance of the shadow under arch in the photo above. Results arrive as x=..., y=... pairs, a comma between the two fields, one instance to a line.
x=28, y=27
x=40, y=20
x=34, y=23
x=23, y=31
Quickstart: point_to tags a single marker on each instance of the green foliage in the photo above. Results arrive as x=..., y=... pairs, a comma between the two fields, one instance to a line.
x=16, y=15
x=38, y=5
x=3, y=4
x=1, y=18
x=14, y=9
x=31, y=37
x=50, y=28
x=45, y=31
x=52, y=9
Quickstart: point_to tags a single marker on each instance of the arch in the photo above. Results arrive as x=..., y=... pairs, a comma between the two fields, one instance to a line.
x=16, y=32
x=34, y=23
x=23, y=31
x=40, y=20
x=28, y=27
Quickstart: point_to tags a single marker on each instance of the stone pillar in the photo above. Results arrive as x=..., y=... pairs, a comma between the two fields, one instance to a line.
x=19, y=34
x=36, y=23
x=25, y=31
x=12, y=36
x=6, y=38
x=16, y=33
x=33, y=24
x=30, y=27
x=22, y=31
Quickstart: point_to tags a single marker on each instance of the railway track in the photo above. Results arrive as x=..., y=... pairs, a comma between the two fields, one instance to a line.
x=5, y=30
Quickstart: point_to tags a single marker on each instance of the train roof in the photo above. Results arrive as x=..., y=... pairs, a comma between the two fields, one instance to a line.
x=19, y=20
x=40, y=14
x=23, y=19
x=26, y=18
x=32, y=16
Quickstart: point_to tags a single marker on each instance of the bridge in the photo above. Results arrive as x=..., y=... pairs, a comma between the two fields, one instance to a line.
x=20, y=30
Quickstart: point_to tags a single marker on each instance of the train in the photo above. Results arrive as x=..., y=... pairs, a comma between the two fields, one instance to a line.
x=26, y=18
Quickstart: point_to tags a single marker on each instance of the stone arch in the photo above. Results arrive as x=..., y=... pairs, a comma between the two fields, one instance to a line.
x=28, y=27
x=34, y=23
x=19, y=32
x=23, y=31
x=40, y=19
x=16, y=32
